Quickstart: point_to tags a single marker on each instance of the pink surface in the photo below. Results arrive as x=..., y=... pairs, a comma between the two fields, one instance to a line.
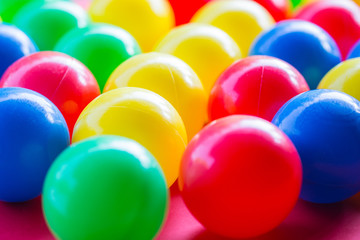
x=307, y=221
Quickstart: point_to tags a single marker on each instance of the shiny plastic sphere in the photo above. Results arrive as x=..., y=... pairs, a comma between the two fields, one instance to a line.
x=140, y=115
x=101, y=47
x=341, y=19
x=62, y=79
x=169, y=77
x=240, y=176
x=279, y=9
x=355, y=51
x=33, y=134
x=146, y=20
x=47, y=23
x=184, y=10
x=324, y=127
x=257, y=85
x=106, y=187
x=242, y=20
x=207, y=49
x=302, y=44
x=15, y=44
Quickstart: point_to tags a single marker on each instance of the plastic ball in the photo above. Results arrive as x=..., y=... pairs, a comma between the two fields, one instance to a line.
x=48, y=22
x=141, y=115
x=146, y=20
x=355, y=51
x=240, y=176
x=242, y=20
x=184, y=10
x=257, y=85
x=33, y=134
x=15, y=44
x=129, y=196
x=324, y=126
x=101, y=47
x=341, y=19
x=61, y=78
x=207, y=49
x=279, y=9
x=169, y=77
x=304, y=45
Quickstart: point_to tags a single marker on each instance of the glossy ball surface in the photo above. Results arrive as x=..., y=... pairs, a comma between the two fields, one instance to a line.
x=184, y=10
x=129, y=196
x=240, y=176
x=33, y=134
x=279, y=9
x=324, y=127
x=355, y=51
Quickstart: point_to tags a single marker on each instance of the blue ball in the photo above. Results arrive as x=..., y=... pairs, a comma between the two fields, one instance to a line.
x=355, y=51
x=306, y=46
x=324, y=126
x=14, y=44
x=33, y=134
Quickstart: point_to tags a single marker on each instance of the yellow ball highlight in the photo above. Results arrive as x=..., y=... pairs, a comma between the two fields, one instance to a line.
x=146, y=20
x=141, y=115
x=169, y=77
x=242, y=20
x=205, y=48
x=344, y=77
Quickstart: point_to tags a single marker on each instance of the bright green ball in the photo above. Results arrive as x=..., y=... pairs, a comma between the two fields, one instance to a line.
x=107, y=187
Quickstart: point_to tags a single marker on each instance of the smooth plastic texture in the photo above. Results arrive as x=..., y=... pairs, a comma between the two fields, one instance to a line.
x=141, y=115
x=355, y=51
x=242, y=20
x=101, y=47
x=146, y=20
x=256, y=85
x=33, y=134
x=306, y=46
x=341, y=19
x=106, y=187
x=47, y=23
x=184, y=10
x=169, y=77
x=240, y=176
x=279, y=9
x=207, y=49
x=324, y=126
x=15, y=44
x=57, y=76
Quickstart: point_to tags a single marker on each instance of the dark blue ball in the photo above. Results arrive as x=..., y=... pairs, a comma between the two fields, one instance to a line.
x=355, y=51
x=306, y=46
x=14, y=44
x=324, y=125
x=32, y=134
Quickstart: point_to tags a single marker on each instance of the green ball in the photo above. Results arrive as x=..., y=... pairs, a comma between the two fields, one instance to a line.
x=297, y=3
x=47, y=23
x=107, y=187
x=101, y=47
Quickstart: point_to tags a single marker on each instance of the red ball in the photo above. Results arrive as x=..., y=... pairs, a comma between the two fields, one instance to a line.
x=341, y=19
x=240, y=176
x=62, y=79
x=184, y=10
x=279, y=9
x=256, y=85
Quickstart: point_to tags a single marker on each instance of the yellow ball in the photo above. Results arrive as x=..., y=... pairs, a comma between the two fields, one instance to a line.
x=242, y=20
x=169, y=77
x=140, y=115
x=146, y=20
x=207, y=49
x=344, y=77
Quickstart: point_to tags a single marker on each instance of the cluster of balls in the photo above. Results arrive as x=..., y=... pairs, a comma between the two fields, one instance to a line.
x=220, y=94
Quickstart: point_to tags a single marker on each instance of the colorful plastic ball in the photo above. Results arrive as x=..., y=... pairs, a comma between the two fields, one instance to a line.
x=324, y=126
x=355, y=51
x=240, y=176
x=146, y=20
x=341, y=19
x=101, y=47
x=57, y=76
x=257, y=85
x=242, y=20
x=141, y=115
x=184, y=10
x=15, y=44
x=169, y=77
x=279, y=9
x=48, y=22
x=207, y=49
x=306, y=46
x=106, y=187
x=295, y=4
x=33, y=134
